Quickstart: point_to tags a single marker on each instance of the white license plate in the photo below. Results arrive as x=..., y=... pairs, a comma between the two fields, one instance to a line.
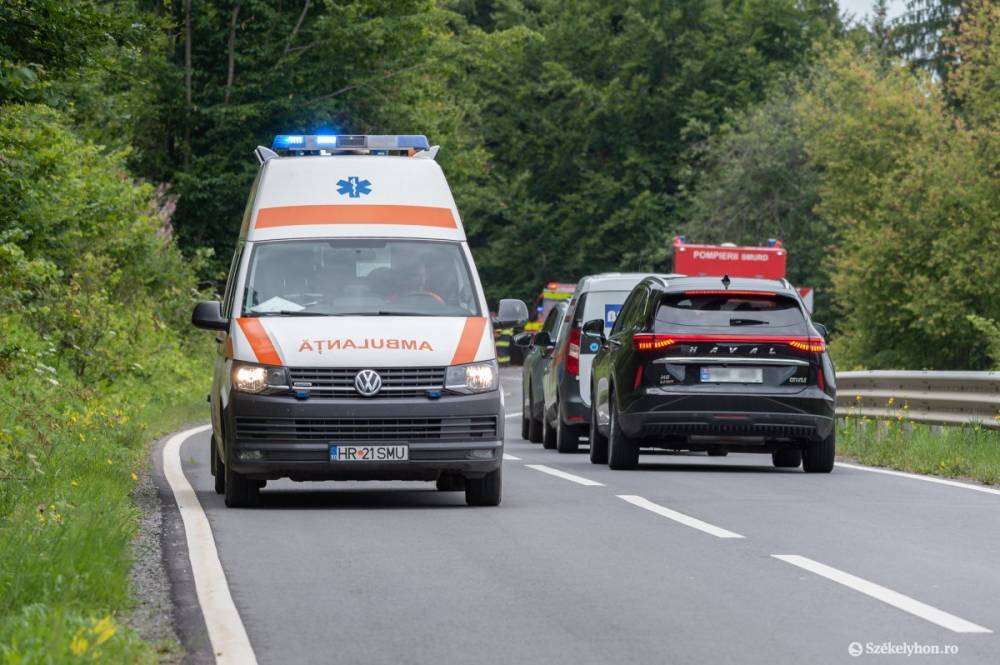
x=342, y=453
x=732, y=375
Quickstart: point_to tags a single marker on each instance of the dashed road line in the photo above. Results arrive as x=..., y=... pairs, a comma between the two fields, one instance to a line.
x=511, y=458
x=926, y=479
x=680, y=518
x=887, y=596
x=580, y=480
x=226, y=632
x=516, y=414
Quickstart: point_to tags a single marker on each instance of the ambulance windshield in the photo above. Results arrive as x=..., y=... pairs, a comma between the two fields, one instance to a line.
x=359, y=277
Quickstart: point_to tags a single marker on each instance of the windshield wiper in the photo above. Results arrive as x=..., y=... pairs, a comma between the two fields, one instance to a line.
x=288, y=312
x=747, y=322
x=381, y=312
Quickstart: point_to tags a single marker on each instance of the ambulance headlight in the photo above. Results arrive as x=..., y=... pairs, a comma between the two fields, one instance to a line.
x=472, y=378
x=257, y=379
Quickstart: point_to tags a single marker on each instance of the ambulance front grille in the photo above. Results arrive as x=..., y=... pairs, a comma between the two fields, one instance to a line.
x=366, y=429
x=396, y=381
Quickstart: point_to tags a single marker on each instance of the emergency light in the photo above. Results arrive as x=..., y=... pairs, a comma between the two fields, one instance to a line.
x=330, y=142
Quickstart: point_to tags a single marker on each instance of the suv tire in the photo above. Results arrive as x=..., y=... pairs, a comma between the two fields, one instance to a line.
x=549, y=434
x=567, y=436
x=623, y=452
x=598, y=442
x=818, y=457
x=485, y=491
x=787, y=458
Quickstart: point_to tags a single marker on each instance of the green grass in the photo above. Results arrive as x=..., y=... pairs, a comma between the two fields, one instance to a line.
x=69, y=459
x=955, y=452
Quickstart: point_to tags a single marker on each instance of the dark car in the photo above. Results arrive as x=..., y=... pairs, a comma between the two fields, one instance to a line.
x=717, y=365
x=566, y=414
x=538, y=348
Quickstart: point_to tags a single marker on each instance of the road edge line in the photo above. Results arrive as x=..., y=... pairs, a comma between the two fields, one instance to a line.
x=918, y=476
x=572, y=477
x=230, y=642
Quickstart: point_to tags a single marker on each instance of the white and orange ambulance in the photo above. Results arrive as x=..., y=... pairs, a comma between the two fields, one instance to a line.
x=354, y=337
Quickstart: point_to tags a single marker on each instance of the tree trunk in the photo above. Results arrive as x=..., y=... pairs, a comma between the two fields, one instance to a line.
x=232, y=52
x=187, y=84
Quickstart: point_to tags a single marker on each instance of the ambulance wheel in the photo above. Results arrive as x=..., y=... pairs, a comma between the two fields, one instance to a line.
x=241, y=492
x=218, y=468
x=484, y=491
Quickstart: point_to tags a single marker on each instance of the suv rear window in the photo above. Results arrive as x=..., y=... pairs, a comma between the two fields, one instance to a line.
x=728, y=310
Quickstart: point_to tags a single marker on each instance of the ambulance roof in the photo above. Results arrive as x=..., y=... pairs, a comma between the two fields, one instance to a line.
x=336, y=196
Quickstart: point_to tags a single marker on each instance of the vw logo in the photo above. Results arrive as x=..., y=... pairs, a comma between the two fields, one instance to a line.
x=367, y=382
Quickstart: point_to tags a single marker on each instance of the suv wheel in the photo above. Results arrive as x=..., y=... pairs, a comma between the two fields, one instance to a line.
x=549, y=434
x=484, y=491
x=526, y=415
x=567, y=436
x=787, y=458
x=598, y=442
x=623, y=452
x=818, y=457
x=534, y=424
x=241, y=492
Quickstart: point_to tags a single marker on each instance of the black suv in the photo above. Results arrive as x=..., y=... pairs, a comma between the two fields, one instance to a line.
x=716, y=365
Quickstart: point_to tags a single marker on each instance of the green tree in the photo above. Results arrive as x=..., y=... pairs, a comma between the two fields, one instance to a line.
x=913, y=199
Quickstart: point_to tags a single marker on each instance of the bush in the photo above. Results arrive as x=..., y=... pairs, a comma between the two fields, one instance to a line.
x=95, y=359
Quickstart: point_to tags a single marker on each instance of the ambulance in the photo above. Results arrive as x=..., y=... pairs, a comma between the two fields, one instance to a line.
x=353, y=337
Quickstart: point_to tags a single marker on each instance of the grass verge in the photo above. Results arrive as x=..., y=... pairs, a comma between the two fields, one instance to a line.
x=955, y=452
x=69, y=458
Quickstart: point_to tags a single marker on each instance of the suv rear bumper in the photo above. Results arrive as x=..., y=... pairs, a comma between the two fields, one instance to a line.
x=271, y=437
x=805, y=416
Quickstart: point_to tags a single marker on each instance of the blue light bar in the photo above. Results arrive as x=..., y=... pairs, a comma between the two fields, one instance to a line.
x=288, y=141
x=346, y=142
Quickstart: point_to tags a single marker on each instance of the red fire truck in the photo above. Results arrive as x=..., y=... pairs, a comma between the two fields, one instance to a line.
x=767, y=262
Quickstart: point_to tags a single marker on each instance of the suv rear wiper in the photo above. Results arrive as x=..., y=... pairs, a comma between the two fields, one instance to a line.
x=747, y=322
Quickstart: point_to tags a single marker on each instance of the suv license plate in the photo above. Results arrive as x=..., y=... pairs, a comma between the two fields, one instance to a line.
x=732, y=375
x=341, y=453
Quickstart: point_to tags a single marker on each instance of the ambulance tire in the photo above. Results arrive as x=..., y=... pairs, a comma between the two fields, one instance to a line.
x=218, y=468
x=241, y=492
x=485, y=491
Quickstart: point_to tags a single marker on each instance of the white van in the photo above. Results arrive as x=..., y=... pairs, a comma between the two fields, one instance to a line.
x=354, y=337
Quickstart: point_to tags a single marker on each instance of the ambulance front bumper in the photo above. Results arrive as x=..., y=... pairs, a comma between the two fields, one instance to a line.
x=271, y=437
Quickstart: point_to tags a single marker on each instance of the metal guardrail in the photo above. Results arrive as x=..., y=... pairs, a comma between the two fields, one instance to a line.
x=941, y=398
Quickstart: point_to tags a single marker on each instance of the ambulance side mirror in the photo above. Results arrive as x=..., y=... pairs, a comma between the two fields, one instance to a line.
x=511, y=313
x=207, y=315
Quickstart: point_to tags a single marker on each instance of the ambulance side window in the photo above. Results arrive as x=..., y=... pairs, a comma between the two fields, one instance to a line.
x=234, y=269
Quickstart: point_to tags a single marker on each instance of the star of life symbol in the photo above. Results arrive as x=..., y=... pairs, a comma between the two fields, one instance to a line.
x=354, y=187
x=367, y=382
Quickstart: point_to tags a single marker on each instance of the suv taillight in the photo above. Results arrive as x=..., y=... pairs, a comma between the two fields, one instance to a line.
x=573, y=351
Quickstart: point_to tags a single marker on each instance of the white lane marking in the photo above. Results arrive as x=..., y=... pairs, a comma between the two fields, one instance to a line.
x=230, y=643
x=888, y=596
x=565, y=476
x=926, y=479
x=516, y=414
x=511, y=458
x=681, y=518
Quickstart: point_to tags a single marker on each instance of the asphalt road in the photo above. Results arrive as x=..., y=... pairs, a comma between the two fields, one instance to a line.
x=683, y=570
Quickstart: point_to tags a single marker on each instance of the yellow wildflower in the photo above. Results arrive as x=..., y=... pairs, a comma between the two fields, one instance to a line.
x=74, y=483
x=134, y=477
x=108, y=461
x=78, y=645
x=104, y=630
